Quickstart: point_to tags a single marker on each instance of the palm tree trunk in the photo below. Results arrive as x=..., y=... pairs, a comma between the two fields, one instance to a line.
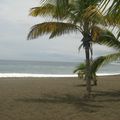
x=88, y=79
x=86, y=43
x=95, y=82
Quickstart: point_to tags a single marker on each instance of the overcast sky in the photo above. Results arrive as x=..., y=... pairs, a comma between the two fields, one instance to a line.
x=14, y=27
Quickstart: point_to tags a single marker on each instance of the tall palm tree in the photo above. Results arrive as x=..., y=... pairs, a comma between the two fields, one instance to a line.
x=70, y=16
x=103, y=60
x=112, y=15
x=103, y=37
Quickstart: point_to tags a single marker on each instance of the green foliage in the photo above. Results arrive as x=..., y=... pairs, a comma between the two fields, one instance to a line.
x=112, y=13
x=103, y=60
x=81, y=71
x=80, y=67
x=55, y=28
x=105, y=37
x=114, y=9
x=47, y=9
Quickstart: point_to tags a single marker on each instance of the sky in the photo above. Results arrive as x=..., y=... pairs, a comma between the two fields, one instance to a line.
x=15, y=24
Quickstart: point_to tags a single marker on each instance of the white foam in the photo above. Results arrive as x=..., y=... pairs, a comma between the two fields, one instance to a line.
x=115, y=63
x=34, y=75
x=5, y=75
x=107, y=74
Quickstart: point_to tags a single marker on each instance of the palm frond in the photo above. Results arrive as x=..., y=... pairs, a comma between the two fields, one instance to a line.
x=55, y=28
x=47, y=9
x=108, y=39
x=115, y=8
x=93, y=14
x=80, y=67
x=105, y=37
x=79, y=48
x=118, y=36
x=113, y=20
x=102, y=60
x=112, y=11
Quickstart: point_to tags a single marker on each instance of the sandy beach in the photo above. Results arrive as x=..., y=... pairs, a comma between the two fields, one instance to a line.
x=58, y=99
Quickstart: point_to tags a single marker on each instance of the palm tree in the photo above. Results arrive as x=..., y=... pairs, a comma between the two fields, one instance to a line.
x=112, y=15
x=103, y=60
x=81, y=69
x=102, y=37
x=70, y=16
x=108, y=39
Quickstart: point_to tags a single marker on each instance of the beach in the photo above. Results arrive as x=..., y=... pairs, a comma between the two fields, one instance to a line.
x=30, y=98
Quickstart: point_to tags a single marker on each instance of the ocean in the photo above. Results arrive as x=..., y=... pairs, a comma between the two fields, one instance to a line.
x=14, y=68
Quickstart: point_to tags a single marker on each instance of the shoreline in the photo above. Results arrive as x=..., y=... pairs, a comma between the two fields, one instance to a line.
x=26, y=75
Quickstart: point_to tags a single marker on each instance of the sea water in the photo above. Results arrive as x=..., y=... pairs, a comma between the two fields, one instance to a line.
x=12, y=68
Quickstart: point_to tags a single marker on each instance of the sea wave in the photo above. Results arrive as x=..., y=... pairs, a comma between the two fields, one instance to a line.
x=115, y=63
x=4, y=75
x=107, y=74
x=35, y=75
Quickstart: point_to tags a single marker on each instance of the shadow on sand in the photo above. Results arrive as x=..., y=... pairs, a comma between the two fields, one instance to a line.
x=86, y=105
x=79, y=103
x=107, y=96
x=83, y=85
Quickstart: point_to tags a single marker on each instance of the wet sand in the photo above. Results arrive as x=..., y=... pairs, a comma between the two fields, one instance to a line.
x=59, y=99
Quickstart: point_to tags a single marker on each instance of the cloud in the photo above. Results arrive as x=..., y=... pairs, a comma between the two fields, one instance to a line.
x=17, y=11
x=15, y=25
